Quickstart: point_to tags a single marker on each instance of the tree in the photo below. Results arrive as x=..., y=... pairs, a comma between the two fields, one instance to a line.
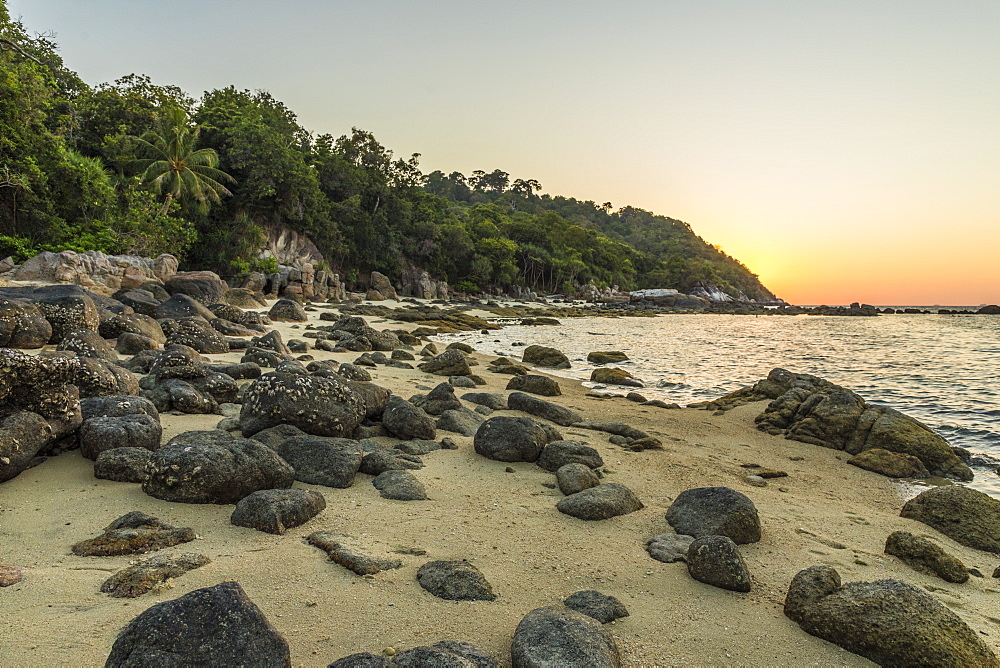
x=175, y=168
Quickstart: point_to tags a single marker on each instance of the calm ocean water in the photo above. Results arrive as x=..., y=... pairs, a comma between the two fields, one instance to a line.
x=941, y=369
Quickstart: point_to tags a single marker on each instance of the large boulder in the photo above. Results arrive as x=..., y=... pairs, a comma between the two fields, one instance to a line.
x=319, y=406
x=214, y=626
x=406, y=421
x=812, y=410
x=381, y=283
x=887, y=621
x=182, y=306
x=558, y=636
x=22, y=325
x=68, y=312
x=214, y=467
x=512, y=439
x=196, y=333
x=204, y=286
x=965, y=515
x=715, y=511
x=287, y=310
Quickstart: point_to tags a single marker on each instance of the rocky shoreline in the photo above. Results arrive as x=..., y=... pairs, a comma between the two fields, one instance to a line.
x=344, y=492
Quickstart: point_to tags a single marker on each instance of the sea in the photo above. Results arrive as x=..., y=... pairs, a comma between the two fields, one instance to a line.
x=940, y=369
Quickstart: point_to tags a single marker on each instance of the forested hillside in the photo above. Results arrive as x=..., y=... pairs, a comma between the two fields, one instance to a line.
x=138, y=167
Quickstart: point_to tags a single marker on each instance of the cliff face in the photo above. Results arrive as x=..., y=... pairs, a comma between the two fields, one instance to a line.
x=289, y=247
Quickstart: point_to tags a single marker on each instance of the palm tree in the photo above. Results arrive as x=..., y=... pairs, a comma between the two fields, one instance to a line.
x=174, y=167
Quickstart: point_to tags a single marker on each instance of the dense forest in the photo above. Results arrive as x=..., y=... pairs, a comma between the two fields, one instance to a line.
x=136, y=167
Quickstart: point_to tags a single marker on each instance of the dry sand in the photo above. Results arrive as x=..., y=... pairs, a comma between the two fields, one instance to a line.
x=506, y=524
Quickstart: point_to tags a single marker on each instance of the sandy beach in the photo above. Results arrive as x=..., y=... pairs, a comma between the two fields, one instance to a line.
x=507, y=525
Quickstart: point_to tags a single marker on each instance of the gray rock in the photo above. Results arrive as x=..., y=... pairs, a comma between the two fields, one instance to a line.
x=716, y=560
x=275, y=510
x=461, y=381
x=317, y=460
x=117, y=406
x=418, y=447
x=887, y=621
x=924, y=556
x=461, y=421
x=122, y=464
x=451, y=362
x=559, y=453
x=99, y=434
x=511, y=439
x=361, y=660
x=399, y=485
x=535, y=384
x=600, y=503
x=319, y=406
x=601, y=607
x=142, y=577
x=214, y=467
x=131, y=344
x=557, y=636
x=715, y=511
x=406, y=421
x=182, y=306
x=87, y=343
x=389, y=459
x=669, y=547
x=196, y=333
x=890, y=464
x=455, y=581
x=214, y=626
x=575, y=477
x=497, y=402
x=547, y=410
x=204, y=286
x=442, y=398
x=286, y=310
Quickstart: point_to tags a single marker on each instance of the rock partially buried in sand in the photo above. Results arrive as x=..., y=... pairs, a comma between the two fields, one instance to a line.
x=146, y=575
x=669, y=547
x=519, y=401
x=715, y=511
x=275, y=510
x=341, y=551
x=716, y=560
x=887, y=621
x=10, y=575
x=443, y=654
x=214, y=626
x=557, y=636
x=575, y=477
x=455, y=581
x=399, y=486
x=965, y=515
x=559, y=453
x=133, y=533
x=122, y=464
x=924, y=556
x=600, y=503
x=601, y=607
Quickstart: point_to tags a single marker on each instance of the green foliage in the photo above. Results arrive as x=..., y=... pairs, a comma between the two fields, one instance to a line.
x=267, y=265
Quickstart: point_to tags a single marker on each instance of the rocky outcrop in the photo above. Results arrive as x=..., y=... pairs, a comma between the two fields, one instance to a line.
x=887, y=621
x=419, y=284
x=812, y=410
x=96, y=271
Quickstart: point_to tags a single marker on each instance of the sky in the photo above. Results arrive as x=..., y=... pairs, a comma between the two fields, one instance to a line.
x=844, y=151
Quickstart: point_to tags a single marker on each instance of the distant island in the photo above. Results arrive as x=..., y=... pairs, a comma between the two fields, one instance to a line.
x=232, y=183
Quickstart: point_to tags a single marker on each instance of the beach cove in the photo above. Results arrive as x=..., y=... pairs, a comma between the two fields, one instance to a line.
x=502, y=518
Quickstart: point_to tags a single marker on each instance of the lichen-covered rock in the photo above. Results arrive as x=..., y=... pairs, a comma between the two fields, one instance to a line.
x=715, y=511
x=545, y=357
x=890, y=464
x=924, y=556
x=512, y=439
x=965, y=515
x=68, y=312
x=22, y=325
x=214, y=467
x=144, y=576
x=887, y=621
x=133, y=533
x=535, y=384
x=451, y=362
x=196, y=333
x=276, y=510
x=455, y=581
x=122, y=464
x=812, y=410
x=100, y=434
x=557, y=636
x=600, y=503
x=214, y=626
x=319, y=406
